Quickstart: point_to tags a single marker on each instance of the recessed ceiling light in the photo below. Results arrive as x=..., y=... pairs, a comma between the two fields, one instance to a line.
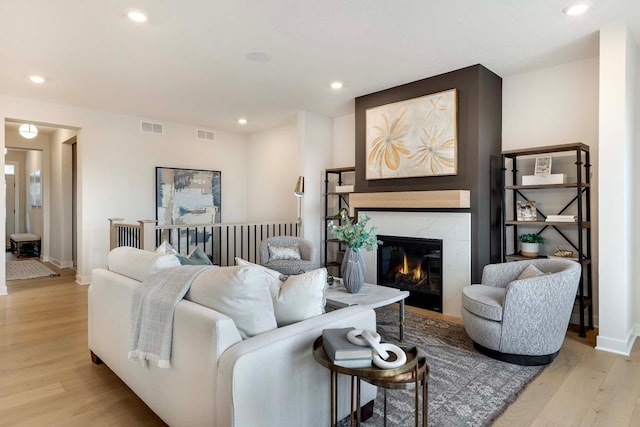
x=336, y=85
x=37, y=79
x=257, y=56
x=137, y=16
x=28, y=130
x=575, y=9
x=242, y=121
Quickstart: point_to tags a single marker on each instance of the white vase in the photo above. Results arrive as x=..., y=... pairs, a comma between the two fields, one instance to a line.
x=530, y=249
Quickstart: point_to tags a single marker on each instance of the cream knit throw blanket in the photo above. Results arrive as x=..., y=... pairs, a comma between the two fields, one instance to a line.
x=152, y=308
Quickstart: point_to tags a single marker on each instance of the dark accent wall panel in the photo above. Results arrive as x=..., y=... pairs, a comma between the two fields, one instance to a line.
x=479, y=145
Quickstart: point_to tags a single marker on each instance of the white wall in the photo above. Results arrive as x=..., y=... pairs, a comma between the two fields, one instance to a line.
x=553, y=106
x=21, y=187
x=315, y=153
x=616, y=114
x=116, y=169
x=344, y=141
x=272, y=170
x=636, y=203
x=61, y=198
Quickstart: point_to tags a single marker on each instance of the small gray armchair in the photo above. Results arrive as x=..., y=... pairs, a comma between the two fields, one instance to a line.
x=522, y=321
x=284, y=266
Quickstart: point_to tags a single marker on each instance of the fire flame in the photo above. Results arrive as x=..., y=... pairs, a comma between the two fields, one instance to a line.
x=417, y=272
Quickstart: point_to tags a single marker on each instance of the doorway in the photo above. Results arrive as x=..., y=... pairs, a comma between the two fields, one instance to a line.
x=48, y=197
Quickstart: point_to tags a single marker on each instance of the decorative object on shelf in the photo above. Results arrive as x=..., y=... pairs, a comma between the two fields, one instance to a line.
x=363, y=337
x=554, y=178
x=344, y=188
x=543, y=165
x=563, y=253
x=356, y=236
x=530, y=244
x=561, y=218
x=526, y=210
x=412, y=138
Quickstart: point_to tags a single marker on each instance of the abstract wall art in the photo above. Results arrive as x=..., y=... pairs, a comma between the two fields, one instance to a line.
x=187, y=196
x=413, y=138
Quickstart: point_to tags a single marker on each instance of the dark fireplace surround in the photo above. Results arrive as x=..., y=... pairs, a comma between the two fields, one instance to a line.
x=415, y=265
x=479, y=119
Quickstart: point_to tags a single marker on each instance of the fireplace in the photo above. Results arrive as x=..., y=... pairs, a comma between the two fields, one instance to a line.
x=415, y=265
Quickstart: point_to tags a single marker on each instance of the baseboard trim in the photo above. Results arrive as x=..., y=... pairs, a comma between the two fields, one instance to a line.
x=61, y=264
x=616, y=346
x=83, y=280
x=3, y=290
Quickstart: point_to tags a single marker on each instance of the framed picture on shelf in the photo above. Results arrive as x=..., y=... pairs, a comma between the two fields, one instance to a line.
x=543, y=165
x=526, y=210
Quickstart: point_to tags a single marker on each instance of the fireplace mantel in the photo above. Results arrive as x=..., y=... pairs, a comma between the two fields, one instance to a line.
x=451, y=199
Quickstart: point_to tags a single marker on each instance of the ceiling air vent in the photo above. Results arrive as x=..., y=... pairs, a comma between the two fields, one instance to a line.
x=150, y=127
x=205, y=135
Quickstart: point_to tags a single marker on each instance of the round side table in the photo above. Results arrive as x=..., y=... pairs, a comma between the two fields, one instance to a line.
x=412, y=373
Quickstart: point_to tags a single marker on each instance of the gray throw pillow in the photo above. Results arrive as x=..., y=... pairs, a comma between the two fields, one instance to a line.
x=196, y=257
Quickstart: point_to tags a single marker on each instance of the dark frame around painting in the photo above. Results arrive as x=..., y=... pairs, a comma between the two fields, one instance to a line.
x=187, y=196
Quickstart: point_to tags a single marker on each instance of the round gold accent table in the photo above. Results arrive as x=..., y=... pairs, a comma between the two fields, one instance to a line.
x=413, y=373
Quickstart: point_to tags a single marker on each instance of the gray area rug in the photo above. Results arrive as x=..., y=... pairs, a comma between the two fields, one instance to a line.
x=466, y=388
x=27, y=270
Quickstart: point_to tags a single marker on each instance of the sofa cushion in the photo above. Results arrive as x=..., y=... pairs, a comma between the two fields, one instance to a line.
x=284, y=252
x=484, y=301
x=301, y=297
x=242, y=293
x=196, y=257
x=166, y=248
x=297, y=297
x=138, y=264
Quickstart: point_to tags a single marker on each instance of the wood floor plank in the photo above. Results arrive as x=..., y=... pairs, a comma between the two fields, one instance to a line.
x=616, y=399
x=574, y=397
x=30, y=396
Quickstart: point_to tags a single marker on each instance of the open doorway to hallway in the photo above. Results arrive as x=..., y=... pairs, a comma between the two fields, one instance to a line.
x=41, y=192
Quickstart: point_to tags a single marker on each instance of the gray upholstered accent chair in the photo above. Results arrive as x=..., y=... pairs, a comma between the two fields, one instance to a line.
x=521, y=321
x=284, y=266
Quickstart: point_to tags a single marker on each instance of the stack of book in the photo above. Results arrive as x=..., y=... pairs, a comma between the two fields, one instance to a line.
x=561, y=218
x=342, y=352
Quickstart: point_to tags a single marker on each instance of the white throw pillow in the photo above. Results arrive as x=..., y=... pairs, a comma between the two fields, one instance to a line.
x=301, y=297
x=242, y=293
x=273, y=277
x=166, y=248
x=277, y=253
x=296, y=297
x=530, y=272
x=138, y=264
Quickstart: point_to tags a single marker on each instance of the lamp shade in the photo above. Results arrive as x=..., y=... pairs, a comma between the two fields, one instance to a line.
x=299, y=190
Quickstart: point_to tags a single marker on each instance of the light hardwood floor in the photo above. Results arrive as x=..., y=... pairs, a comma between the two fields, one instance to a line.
x=47, y=378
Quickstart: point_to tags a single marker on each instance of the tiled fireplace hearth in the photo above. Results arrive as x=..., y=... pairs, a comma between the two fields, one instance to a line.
x=452, y=228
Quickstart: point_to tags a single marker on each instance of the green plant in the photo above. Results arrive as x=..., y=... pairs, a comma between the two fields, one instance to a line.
x=531, y=238
x=355, y=234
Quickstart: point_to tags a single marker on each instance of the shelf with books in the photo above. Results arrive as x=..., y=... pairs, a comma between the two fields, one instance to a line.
x=334, y=202
x=570, y=223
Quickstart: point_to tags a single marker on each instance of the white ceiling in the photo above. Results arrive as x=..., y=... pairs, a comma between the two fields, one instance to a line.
x=187, y=63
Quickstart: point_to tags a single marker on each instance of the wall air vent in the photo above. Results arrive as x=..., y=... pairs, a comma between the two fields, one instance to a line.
x=205, y=135
x=149, y=127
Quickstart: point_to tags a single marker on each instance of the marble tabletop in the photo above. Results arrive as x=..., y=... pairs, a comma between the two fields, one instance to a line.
x=373, y=296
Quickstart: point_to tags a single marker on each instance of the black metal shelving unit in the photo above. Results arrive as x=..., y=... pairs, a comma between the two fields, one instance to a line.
x=333, y=203
x=577, y=234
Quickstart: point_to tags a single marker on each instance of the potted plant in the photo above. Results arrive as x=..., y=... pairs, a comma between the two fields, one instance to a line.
x=530, y=244
x=356, y=236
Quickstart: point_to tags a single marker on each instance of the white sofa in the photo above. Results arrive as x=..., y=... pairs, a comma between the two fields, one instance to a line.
x=216, y=378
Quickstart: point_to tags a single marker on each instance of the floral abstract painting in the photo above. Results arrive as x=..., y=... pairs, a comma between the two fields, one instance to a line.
x=413, y=138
